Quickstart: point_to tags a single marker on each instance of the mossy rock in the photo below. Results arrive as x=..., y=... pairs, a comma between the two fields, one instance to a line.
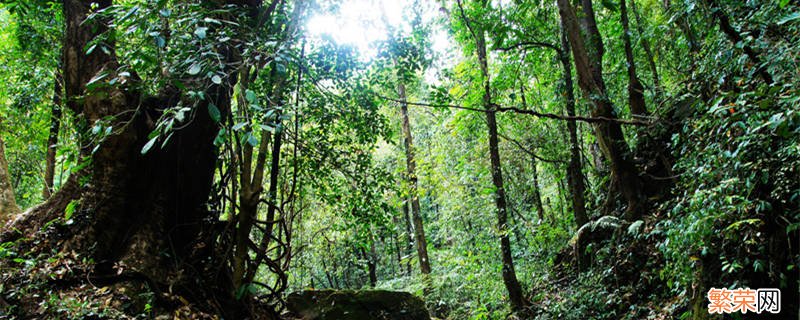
x=356, y=305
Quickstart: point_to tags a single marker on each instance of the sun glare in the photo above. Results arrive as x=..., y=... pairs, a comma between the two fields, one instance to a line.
x=360, y=23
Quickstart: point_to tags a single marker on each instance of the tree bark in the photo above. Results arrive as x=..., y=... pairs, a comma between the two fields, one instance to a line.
x=587, y=54
x=411, y=176
x=372, y=264
x=575, y=176
x=515, y=294
x=147, y=212
x=409, y=234
x=277, y=102
x=8, y=204
x=52, y=139
x=537, y=195
x=636, y=101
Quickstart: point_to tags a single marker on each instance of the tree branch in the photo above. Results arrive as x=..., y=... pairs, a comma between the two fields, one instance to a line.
x=528, y=44
x=498, y=108
x=528, y=151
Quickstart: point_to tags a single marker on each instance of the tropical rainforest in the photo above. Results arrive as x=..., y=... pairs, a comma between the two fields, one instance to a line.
x=471, y=159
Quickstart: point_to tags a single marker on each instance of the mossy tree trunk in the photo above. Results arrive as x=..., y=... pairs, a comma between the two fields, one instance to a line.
x=141, y=216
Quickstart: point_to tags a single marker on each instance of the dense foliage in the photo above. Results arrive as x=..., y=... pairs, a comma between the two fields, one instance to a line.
x=331, y=163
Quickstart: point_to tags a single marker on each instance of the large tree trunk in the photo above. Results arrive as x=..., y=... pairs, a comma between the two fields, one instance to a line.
x=587, y=53
x=411, y=176
x=144, y=212
x=8, y=204
x=575, y=176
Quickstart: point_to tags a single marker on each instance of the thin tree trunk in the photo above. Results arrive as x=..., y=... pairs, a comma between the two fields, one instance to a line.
x=587, y=54
x=411, y=176
x=328, y=276
x=52, y=139
x=250, y=180
x=647, y=50
x=682, y=21
x=516, y=296
x=537, y=195
x=575, y=176
x=635, y=89
x=736, y=38
x=372, y=264
x=397, y=238
x=8, y=204
x=409, y=234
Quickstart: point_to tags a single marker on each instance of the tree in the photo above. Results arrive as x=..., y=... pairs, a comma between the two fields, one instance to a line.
x=407, y=58
x=52, y=139
x=575, y=175
x=587, y=51
x=413, y=197
x=635, y=88
x=142, y=201
x=8, y=204
x=478, y=34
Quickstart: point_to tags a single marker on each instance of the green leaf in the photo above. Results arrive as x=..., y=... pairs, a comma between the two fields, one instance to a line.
x=783, y=3
x=160, y=42
x=216, y=79
x=251, y=139
x=201, y=32
x=149, y=145
x=166, y=140
x=220, y=138
x=250, y=96
x=791, y=17
x=194, y=69
x=239, y=126
x=281, y=69
x=213, y=112
x=128, y=15
x=210, y=20
x=70, y=209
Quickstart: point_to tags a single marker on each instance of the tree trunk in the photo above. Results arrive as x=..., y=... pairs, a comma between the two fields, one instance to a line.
x=146, y=212
x=736, y=39
x=398, y=237
x=587, y=54
x=515, y=294
x=635, y=89
x=647, y=50
x=411, y=175
x=537, y=195
x=372, y=264
x=575, y=176
x=52, y=139
x=8, y=204
x=409, y=234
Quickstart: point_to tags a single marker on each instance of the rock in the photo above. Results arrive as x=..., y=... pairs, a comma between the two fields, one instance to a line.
x=356, y=305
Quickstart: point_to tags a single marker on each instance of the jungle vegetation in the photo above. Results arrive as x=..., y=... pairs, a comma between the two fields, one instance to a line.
x=500, y=159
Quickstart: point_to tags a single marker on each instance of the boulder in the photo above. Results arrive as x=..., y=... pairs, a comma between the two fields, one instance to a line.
x=356, y=305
